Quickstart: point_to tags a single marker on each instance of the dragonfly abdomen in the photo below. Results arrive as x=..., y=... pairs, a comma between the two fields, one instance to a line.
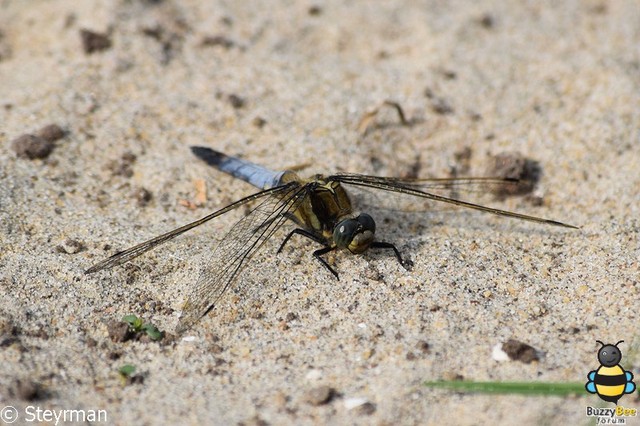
x=254, y=174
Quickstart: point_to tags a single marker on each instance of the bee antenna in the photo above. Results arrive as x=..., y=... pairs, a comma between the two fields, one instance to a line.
x=616, y=345
x=598, y=341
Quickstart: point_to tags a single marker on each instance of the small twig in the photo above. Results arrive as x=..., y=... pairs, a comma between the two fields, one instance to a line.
x=365, y=121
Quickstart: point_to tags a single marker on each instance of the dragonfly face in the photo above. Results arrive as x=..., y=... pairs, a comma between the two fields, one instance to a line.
x=356, y=235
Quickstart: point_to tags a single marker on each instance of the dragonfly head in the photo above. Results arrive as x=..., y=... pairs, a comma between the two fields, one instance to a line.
x=355, y=234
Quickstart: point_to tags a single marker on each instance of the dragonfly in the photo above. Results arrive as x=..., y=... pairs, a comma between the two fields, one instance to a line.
x=320, y=207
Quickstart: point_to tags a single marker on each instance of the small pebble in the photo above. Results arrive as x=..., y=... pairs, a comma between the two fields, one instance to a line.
x=498, y=354
x=51, y=133
x=119, y=331
x=218, y=40
x=441, y=106
x=314, y=10
x=142, y=196
x=519, y=351
x=452, y=376
x=138, y=379
x=487, y=21
x=114, y=355
x=236, y=101
x=32, y=147
x=366, y=409
x=351, y=403
x=291, y=316
x=94, y=42
x=259, y=122
x=28, y=390
x=70, y=247
x=423, y=346
x=449, y=74
x=527, y=172
x=320, y=395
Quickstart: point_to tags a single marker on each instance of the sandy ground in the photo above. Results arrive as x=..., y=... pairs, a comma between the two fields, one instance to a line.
x=284, y=84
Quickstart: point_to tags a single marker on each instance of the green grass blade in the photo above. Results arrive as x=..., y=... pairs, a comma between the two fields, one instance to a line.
x=513, y=388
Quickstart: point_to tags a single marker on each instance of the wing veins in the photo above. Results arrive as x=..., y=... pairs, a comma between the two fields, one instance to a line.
x=239, y=245
x=135, y=251
x=397, y=185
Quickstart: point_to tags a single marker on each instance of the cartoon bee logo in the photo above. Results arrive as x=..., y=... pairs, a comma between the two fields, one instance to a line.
x=610, y=381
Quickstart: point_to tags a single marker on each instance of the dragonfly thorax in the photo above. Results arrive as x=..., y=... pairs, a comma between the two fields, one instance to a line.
x=356, y=235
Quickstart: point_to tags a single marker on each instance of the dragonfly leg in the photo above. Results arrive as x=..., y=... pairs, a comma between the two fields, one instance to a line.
x=322, y=251
x=406, y=263
x=304, y=233
x=316, y=253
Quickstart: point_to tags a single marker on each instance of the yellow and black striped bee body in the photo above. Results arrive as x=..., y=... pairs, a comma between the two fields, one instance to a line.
x=610, y=383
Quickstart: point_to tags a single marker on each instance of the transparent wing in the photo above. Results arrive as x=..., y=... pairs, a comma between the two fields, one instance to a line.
x=479, y=188
x=414, y=187
x=235, y=249
x=466, y=184
x=135, y=251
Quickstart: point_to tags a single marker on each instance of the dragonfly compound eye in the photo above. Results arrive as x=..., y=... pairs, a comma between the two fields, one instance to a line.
x=367, y=222
x=344, y=232
x=363, y=237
